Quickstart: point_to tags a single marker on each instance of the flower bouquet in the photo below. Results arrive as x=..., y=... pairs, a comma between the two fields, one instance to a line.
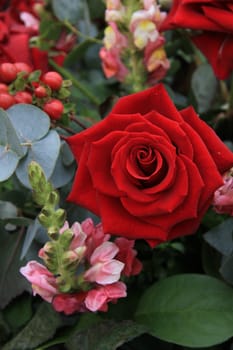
x=116, y=174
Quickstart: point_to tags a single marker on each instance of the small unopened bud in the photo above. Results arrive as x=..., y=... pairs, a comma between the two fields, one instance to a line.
x=65, y=238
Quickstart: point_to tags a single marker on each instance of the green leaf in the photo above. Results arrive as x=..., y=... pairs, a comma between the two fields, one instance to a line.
x=107, y=335
x=30, y=122
x=77, y=52
x=11, y=281
x=204, y=85
x=41, y=328
x=220, y=237
x=18, y=313
x=190, y=310
x=45, y=152
x=68, y=10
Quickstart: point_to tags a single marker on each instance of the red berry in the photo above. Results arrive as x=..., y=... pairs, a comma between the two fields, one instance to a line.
x=3, y=88
x=22, y=67
x=8, y=72
x=54, y=108
x=40, y=92
x=53, y=80
x=6, y=100
x=23, y=97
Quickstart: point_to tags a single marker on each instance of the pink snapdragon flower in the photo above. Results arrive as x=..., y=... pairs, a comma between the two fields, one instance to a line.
x=70, y=303
x=98, y=299
x=104, y=269
x=112, y=64
x=155, y=60
x=145, y=24
x=113, y=39
x=43, y=281
x=223, y=197
x=127, y=255
x=86, y=277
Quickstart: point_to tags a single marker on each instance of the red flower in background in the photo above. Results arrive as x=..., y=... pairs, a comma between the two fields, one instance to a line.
x=215, y=19
x=19, y=22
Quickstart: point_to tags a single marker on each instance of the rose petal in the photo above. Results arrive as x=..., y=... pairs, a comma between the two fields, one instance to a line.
x=212, y=47
x=152, y=99
x=220, y=154
x=219, y=17
x=163, y=202
x=131, y=186
x=188, y=208
x=117, y=221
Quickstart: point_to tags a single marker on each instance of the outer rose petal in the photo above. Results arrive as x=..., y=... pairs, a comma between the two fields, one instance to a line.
x=215, y=20
x=218, y=49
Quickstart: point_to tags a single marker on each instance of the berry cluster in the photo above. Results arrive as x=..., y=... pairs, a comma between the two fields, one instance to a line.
x=19, y=84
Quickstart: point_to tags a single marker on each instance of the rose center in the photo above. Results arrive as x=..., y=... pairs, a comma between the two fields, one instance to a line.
x=146, y=166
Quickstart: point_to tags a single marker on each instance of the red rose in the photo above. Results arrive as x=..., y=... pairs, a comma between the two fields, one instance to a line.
x=214, y=18
x=18, y=23
x=148, y=170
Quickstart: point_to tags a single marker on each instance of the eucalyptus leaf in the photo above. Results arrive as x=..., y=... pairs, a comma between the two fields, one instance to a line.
x=68, y=10
x=10, y=148
x=66, y=154
x=204, y=85
x=62, y=175
x=8, y=163
x=41, y=328
x=190, y=310
x=7, y=210
x=45, y=152
x=220, y=237
x=226, y=269
x=33, y=229
x=8, y=135
x=30, y=122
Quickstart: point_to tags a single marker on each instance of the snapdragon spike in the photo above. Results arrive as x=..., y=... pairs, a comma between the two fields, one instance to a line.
x=82, y=268
x=133, y=51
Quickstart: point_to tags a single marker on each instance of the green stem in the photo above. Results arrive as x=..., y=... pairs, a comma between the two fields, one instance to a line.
x=75, y=82
x=74, y=30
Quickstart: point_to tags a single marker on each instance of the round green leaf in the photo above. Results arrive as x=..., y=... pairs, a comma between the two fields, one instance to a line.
x=8, y=135
x=190, y=310
x=8, y=163
x=45, y=152
x=30, y=122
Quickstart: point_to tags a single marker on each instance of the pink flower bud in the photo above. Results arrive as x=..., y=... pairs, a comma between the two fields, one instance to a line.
x=223, y=197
